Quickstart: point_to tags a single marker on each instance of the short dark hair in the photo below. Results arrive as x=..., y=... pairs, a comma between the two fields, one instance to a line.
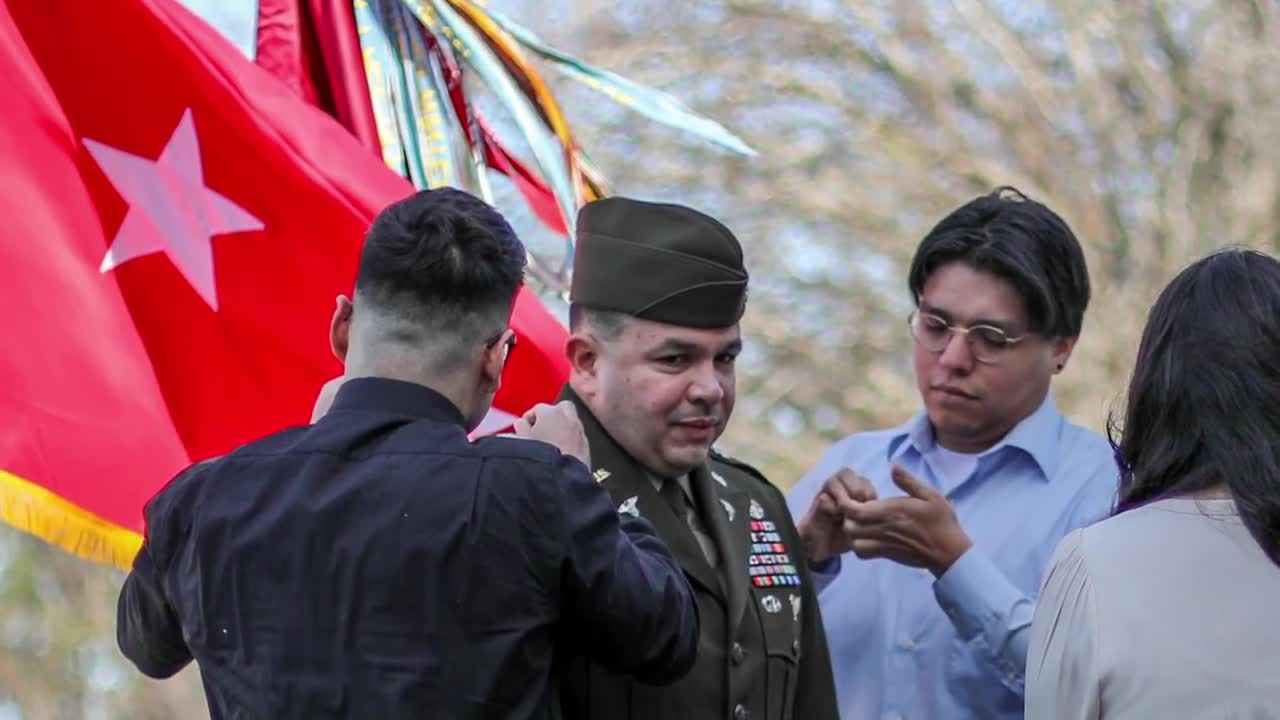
x=441, y=264
x=1201, y=407
x=1022, y=241
x=606, y=325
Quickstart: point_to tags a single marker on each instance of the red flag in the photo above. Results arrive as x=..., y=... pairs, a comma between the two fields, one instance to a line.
x=313, y=46
x=177, y=225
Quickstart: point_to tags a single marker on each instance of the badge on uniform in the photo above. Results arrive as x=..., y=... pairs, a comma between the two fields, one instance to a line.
x=728, y=509
x=771, y=604
x=716, y=476
x=628, y=507
x=601, y=475
x=770, y=563
x=795, y=607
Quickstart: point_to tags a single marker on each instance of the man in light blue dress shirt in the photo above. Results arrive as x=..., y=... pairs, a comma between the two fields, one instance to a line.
x=929, y=540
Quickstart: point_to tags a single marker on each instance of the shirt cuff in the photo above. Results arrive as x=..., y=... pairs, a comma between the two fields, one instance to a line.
x=824, y=573
x=975, y=595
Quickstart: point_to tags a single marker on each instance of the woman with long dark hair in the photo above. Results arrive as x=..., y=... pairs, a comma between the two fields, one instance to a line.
x=1171, y=607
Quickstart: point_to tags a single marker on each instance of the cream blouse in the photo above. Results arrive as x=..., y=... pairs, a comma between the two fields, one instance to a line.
x=1170, y=610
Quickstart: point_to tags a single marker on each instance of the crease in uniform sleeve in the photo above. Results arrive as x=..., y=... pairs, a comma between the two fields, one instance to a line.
x=1062, y=664
x=989, y=613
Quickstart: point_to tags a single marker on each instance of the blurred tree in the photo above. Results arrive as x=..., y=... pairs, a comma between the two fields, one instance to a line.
x=1146, y=124
x=58, y=656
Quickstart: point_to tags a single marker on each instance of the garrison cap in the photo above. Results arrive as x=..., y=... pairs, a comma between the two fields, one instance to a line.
x=661, y=262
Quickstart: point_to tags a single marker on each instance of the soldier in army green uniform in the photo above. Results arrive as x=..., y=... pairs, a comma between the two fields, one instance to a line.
x=657, y=294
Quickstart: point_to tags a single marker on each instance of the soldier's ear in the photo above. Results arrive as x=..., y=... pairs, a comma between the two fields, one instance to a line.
x=583, y=352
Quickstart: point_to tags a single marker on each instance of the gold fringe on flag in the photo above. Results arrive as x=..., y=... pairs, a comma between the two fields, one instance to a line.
x=33, y=509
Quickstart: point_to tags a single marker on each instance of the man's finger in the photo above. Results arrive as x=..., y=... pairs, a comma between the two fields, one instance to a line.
x=912, y=485
x=876, y=512
x=858, y=488
x=826, y=504
x=835, y=489
x=533, y=413
x=854, y=530
x=868, y=548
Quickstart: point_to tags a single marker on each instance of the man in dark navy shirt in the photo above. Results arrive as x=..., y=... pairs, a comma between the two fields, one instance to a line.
x=377, y=564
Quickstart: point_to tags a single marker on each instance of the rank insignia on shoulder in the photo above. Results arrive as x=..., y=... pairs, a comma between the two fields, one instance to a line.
x=601, y=475
x=728, y=509
x=628, y=507
x=719, y=478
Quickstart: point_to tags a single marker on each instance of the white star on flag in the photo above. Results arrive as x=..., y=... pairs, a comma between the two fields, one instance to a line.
x=170, y=208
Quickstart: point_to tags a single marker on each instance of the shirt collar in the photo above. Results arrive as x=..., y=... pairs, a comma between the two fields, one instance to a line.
x=1037, y=436
x=396, y=397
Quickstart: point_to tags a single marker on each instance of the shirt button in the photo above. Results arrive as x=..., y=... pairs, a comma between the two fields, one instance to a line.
x=908, y=645
x=740, y=713
x=737, y=653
